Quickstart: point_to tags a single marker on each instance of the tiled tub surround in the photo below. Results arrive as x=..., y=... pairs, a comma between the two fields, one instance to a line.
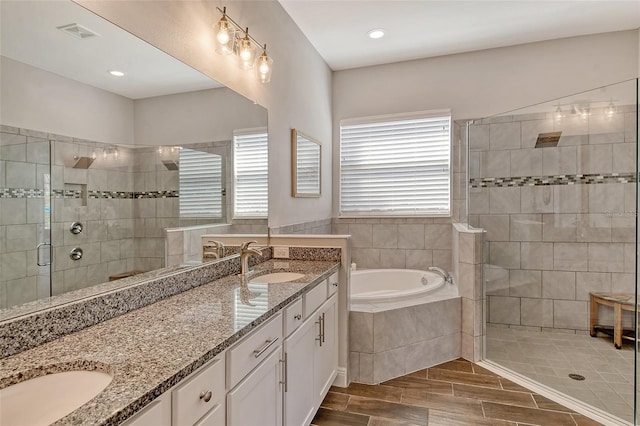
x=560, y=221
x=30, y=325
x=151, y=349
x=388, y=344
x=467, y=272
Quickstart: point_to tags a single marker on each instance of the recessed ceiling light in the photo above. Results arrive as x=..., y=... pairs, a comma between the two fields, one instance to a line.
x=377, y=33
x=116, y=73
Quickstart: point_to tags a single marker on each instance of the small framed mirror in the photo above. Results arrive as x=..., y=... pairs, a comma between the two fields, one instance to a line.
x=305, y=165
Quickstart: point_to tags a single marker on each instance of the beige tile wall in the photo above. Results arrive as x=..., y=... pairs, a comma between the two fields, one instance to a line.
x=549, y=246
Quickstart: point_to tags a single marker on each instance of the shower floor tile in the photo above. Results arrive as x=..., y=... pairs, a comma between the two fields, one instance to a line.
x=456, y=393
x=608, y=372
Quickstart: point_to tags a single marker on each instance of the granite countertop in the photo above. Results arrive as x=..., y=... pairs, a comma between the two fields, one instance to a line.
x=149, y=350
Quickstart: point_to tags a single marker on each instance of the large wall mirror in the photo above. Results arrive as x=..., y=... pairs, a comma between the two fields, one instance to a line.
x=96, y=168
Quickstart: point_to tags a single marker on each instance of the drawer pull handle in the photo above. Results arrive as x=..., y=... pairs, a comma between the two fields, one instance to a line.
x=206, y=396
x=334, y=284
x=297, y=316
x=264, y=347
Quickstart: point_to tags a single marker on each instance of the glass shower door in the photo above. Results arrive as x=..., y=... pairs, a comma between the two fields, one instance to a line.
x=554, y=187
x=25, y=216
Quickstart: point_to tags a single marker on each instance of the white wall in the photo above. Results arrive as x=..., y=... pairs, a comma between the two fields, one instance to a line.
x=36, y=99
x=299, y=94
x=483, y=83
x=192, y=117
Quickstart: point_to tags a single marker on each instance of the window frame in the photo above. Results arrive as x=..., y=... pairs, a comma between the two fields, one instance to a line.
x=444, y=113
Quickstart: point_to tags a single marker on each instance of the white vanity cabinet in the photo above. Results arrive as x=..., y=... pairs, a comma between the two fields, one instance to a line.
x=326, y=354
x=255, y=377
x=156, y=413
x=197, y=401
x=257, y=400
x=311, y=358
x=200, y=399
x=278, y=374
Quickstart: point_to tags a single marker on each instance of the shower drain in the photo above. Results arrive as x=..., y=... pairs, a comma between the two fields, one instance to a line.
x=576, y=376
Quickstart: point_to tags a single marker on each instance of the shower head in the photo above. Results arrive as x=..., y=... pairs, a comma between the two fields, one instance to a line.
x=548, y=140
x=82, y=162
x=170, y=164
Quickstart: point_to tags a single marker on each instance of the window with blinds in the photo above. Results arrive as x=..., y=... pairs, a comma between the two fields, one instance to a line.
x=396, y=165
x=200, y=180
x=251, y=175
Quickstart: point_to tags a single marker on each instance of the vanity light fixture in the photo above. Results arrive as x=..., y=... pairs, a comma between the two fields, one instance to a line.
x=230, y=38
x=225, y=35
x=610, y=110
x=376, y=33
x=110, y=151
x=558, y=115
x=264, y=67
x=116, y=73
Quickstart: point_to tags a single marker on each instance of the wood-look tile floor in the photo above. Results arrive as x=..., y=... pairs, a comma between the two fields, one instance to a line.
x=456, y=393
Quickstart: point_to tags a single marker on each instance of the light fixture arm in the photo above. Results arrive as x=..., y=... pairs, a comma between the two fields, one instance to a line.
x=239, y=28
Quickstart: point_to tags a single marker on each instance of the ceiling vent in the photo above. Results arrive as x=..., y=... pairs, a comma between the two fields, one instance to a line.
x=78, y=31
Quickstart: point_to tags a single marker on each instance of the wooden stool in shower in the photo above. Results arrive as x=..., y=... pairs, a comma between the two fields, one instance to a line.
x=619, y=302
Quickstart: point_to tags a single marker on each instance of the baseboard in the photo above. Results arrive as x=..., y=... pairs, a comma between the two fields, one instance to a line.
x=341, y=378
x=557, y=396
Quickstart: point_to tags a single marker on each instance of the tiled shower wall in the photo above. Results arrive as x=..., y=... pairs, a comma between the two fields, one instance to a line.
x=560, y=221
x=124, y=204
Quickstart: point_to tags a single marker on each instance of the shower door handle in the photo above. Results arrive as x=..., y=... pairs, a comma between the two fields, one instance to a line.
x=38, y=262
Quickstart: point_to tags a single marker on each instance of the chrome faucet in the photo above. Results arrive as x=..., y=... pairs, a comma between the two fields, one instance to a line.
x=245, y=253
x=447, y=278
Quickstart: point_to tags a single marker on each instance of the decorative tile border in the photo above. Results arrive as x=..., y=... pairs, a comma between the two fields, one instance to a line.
x=21, y=193
x=578, y=179
x=72, y=193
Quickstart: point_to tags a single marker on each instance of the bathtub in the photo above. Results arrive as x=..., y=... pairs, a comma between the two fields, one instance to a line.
x=409, y=316
x=374, y=290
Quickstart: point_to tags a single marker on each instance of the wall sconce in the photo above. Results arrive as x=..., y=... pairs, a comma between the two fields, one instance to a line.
x=231, y=38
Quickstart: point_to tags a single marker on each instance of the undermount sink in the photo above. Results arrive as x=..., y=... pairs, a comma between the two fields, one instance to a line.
x=277, y=277
x=45, y=399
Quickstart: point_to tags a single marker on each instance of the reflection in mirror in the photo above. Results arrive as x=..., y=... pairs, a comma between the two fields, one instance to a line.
x=305, y=165
x=102, y=177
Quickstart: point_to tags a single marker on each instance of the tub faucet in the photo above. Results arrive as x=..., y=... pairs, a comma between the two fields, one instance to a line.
x=447, y=278
x=245, y=253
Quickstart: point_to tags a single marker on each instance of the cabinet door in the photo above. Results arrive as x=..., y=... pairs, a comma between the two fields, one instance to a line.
x=257, y=399
x=326, y=354
x=299, y=396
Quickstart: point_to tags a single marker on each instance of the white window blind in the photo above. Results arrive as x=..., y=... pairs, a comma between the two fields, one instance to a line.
x=307, y=167
x=251, y=174
x=395, y=165
x=200, y=177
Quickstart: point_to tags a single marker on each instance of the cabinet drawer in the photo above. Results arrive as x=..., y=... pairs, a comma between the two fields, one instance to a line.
x=252, y=349
x=157, y=413
x=333, y=284
x=314, y=298
x=292, y=316
x=189, y=399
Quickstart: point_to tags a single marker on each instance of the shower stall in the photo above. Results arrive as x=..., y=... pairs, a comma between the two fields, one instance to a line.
x=554, y=186
x=75, y=213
